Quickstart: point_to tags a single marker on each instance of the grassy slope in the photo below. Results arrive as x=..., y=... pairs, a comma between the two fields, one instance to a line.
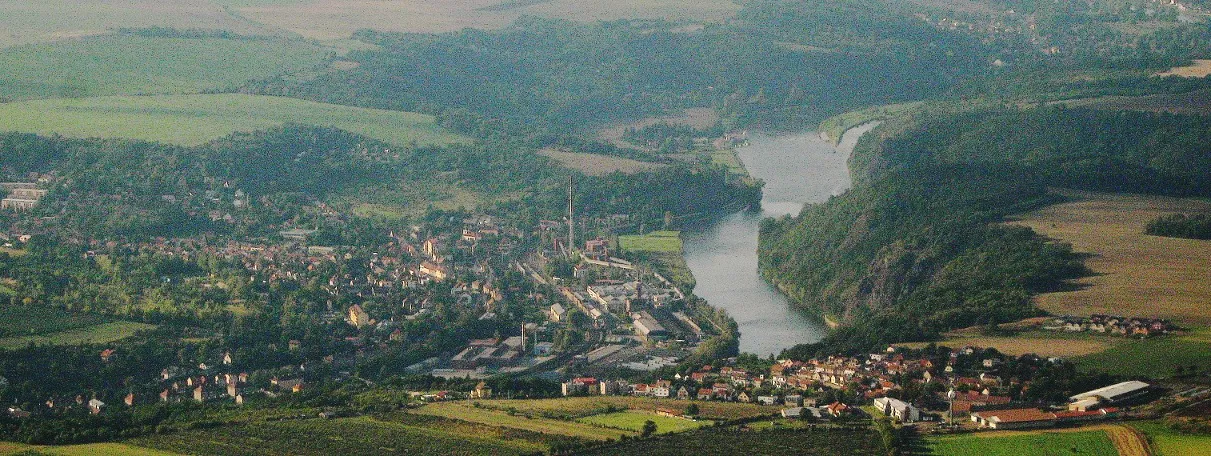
x=1041, y=443
x=464, y=412
x=37, y=320
x=196, y=119
x=131, y=65
x=111, y=449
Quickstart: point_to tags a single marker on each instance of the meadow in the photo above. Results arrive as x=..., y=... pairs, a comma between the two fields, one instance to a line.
x=1156, y=357
x=97, y=334
x=634, y=421
x=656, y=241
x=834, y=127
x=136, y=65
x=1091, y=443
x=196, y=119
x=33, y=320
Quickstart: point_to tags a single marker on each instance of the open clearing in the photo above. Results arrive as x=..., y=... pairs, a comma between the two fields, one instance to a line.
x=1200, y=68
x=466, y=412
x=196, y=119
x=598, y=165
x=331, y=19
x=696, y=118
x=98, y=334
x=136, y=65
x=1083, y=442
x=1135, y=274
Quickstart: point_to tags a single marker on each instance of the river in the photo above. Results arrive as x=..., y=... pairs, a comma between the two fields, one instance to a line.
x=797, y=169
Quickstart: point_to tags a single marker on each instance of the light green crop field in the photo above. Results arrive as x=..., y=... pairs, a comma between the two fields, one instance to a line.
x=112, y=449
x=135, y=65
x=196, y=119
x=465, y=412
x=1095, y=443
x=1167, y=442
x=656, y=241
x=633, y=421
x=97, y=334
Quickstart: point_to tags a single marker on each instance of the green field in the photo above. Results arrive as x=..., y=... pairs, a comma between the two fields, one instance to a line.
x=109, y=449
x=634, y=421
x=196, y=119
x=1043, y=443
x=135, y=65
x=98, y=334
x=1167, y=442
x=1155, y=357
x=656, y=241
x=578, y=407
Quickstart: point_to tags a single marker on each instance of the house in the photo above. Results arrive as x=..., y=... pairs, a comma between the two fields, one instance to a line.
x=481, y=391
x=581, y=385
x=358, y=317
x=558, y=313
x=106, y=354
x=837, y=409
x=705, y=394
x=766, y=400
x=793, y=400
x=792, y=412
x=683, y=393
x=95, y=406
x=129, y=400
x=743, y=397
x=898, y=409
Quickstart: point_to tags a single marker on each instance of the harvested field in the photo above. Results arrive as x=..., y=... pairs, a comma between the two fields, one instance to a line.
x=1042, y=344
x=1200, y=68
x=598, y=165
x=1135, y=274
x=330, y=19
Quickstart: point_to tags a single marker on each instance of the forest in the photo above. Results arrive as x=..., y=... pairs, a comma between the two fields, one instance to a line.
x=916, y=248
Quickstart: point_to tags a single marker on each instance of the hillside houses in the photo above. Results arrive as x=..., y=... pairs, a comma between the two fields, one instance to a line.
x=1111, y=324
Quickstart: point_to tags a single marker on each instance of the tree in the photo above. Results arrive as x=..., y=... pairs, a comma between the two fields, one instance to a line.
x=692, y=410
x=649, y=428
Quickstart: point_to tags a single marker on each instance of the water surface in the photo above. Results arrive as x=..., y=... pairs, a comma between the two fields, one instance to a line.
x=797, y=169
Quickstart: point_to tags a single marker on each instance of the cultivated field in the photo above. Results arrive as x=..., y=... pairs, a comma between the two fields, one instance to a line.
x=1082, y=442
x=135, y=65
x=331, y=19
x=1198, y=69
x=585, y=406
x=35, y=320
x=97, y=334
x=1134, y=274
x=598, y=165
x=709, y=441
x=346, y=436
x=196, y=119
x=1156, y=357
